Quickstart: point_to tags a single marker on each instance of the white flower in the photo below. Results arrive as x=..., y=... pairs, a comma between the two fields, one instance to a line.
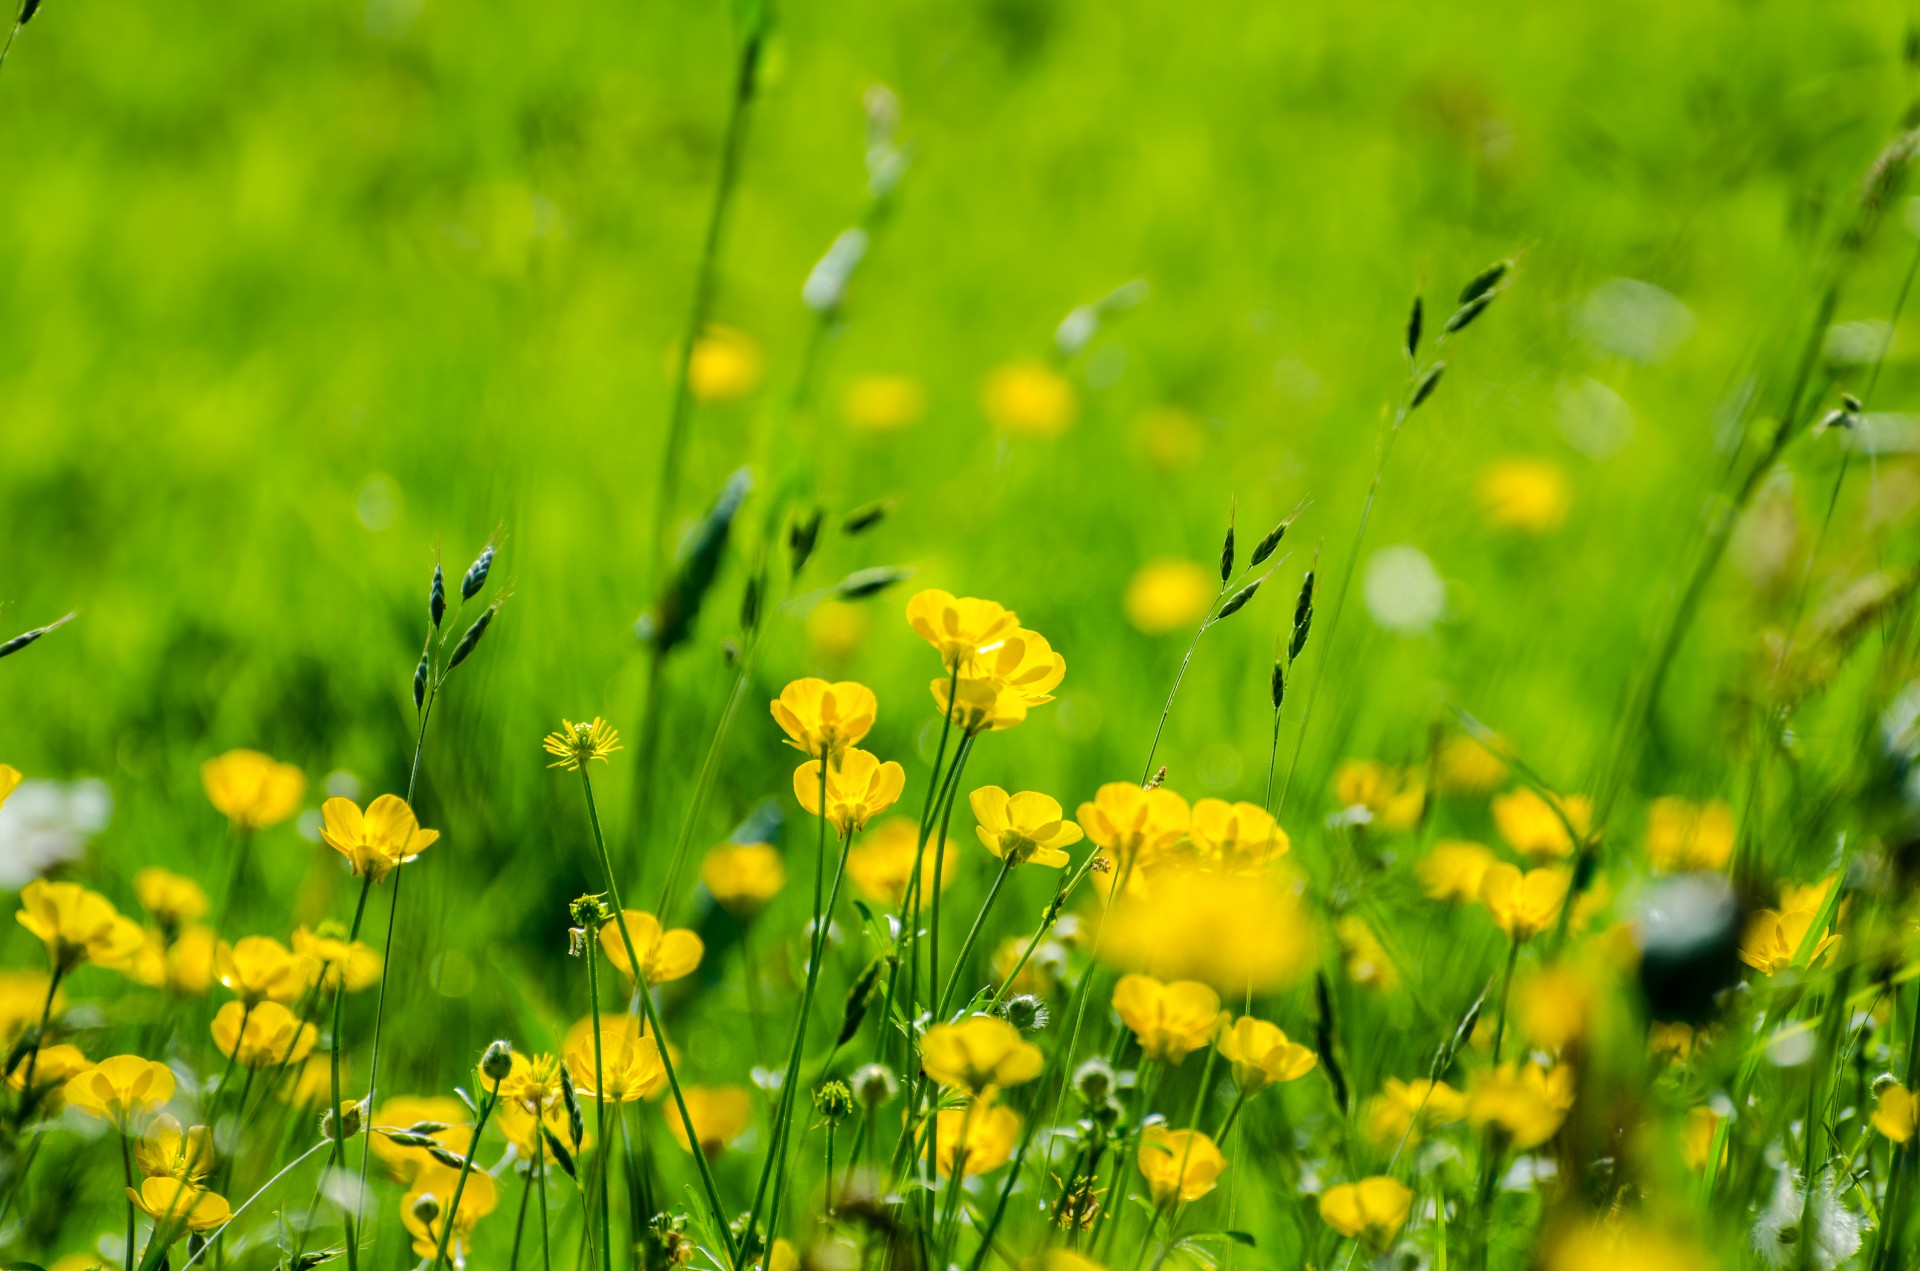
x=1833, y=1229
x=47, y=823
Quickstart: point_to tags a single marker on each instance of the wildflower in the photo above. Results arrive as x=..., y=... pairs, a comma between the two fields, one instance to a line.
x=882, y=403
x=375, y=841
x=819, y=717
x=978, y=705
x=874, y=1085
x=1404, y=1108
x=266, y=1036
x=178, y=1207
x=980, y=1053
x=1224, y=931
x=1134, y=826
x=1025, y=827
x=185, y=966
x=1169, y=595
x=447, y=1117
x=663, y=954
x=530, y=1083
x=1038, y=975
x=77, y=926
x=251, y=790
x=1393, y=797
x=959, y=627
x=1671, y=1041
x=859, y=788
x=720, y=1114
x=169, y=1151
x=1170, y=1021
x=312, y=1082
x=1179, y=1165
x=1031, y=398
x=23, y=997
x=1371, y=1211
x=1366, y=958
x=979, y=1138
x=742, y=877
x=1528, y=495
x=1830, y=1235
x=1454, y=870
x=1554, y=1005
x=118, y=1089
x=1007, y=680
x=1236, y=838
x=1685, y=836
x=630, y=1061
x=725, y=365
x=1526, y=904
x=1261, y=1055
x=1772, y=940
x=1697, y=1132
x=259, y=968
x=1629, y=1244
x=172, y=900
x=425, y=1222
x=881, y=864
x=1896, y=1113
x=1527, y=1103
x=579, y=744
x=337, y=960
x=1463, y=766
x=1534, y=829
x=53, y=1067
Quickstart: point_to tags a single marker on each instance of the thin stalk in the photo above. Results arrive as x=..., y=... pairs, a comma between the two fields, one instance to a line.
x=339, y=1122
x=600, y=1104
x=973, y=934
x=450, y=1216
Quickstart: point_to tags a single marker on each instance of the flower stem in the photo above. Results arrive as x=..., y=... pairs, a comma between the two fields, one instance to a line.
x=450, y=1216
x=973, y=934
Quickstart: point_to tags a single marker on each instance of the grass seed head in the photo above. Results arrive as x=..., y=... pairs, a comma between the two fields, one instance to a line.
x=477, y=572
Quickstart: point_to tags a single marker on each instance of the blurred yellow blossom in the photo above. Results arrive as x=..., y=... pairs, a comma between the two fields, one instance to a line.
x=1236, y=838
x=1031, y=398
x=267, y=1035
x=1627, y=1245
x=1530, y=495
x=1170, y=594
x=664, y=954
x=77, y=925
x=881, y=864
x=1367, y=962
x=1454, y=870
x=405, y=1162
x=1526, y=904
x=23, y=998
x=53, y=1067
x=1404, y=1107
x=1697, y=1131
x=1532, y=827
x=1688, y=836
x=1465, y=766
x=172, y=900
x=256, y=968
x=980, y=1136
x=118, y=1089
x=1225, y=931
x=742, y=877
x=1134, y=826
x=439, y=1183
x=1261, y=1055
x=169, y=1151
x=725, y=365
x=1896, y=1112
x=1371, y=1211
x=337, y=960
x=1179, y=1165
x=1170, y=1021
x=178, y=1207
x=252, y=790
x=720, y=1114
x=1526, y=1102
x=978, y=1054
x=882, y=403
x=1393, y=797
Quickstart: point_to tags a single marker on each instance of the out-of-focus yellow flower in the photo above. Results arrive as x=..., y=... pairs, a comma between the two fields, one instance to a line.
x=23, y=997
x=979, y=1054
x=1527, y=1103
x=1808, y=899
x=1697, y=1130
x=1532, y=827
x=1772, y=940
x=1170, y=437
x=77, y=925
x=859, y=787
x=835, y=629
x=1529, y=495
x=1041, y=973
x=53, y=1067
x=1170, y=594
x=1393, y=797
x=259, y=968
x=1222, y=930
x=1366, y=958
x=1454, y=870
x=1031, y=398
x=1464, y=766
x=252, y=790
x=882, y=403
x=980, y=1137
x=1061, y=1260
x=742, y=877
x=337, y=960
x=1526, y=904
x=1896, y=1112
x=1135, y=827
x=1179, y=1165
x=664, y=954
x=958, y=627
x=726, y=365
x=178, y=1207
x=522, y=1129
x=1261, y=1055
x=1371, y=1211
x=720, y=1114
x=405, y=1163
x=1686, y=836
x=1170, y=1021
x=1671, y=1041
x=311, y=1084
x=477, y=1199
x=580, y=744
x=172, y=900
x=375, y=841
x=267, y=1036
x=169, y=1151
x=1409, y=1107
x=1236, y=838
x=818, y=716
x=186, y=966
x=1628, y=1245
x=630, y=1061
x=118, y=1089
x=881, y=864
x=1554, y=1005
x=1028, y=827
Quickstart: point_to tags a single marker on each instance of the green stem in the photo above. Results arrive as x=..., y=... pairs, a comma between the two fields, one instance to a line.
x=973, y=934
x=449, y=1217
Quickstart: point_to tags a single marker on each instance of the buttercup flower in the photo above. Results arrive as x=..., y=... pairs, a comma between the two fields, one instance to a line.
x=1236, y=838
x=1261, y=1055
x=1393, y=797
x=1223, y=930
x=178, y=1207
x=77, y=925
x=726, y=364
x=522, y=1129
x=1687, y=836
x=187, y=966
x=1464, y=766
x=1896, y=1113
x=1031, y=398
x=1528, y=495
x=1367, y=962
x=258, y=968
x=1179, y=1165
x=1526, y=904
x=959, y=627
x=742, y=877
x=1530, y=825
x=53, y=1067
x=978, y=705
x=1697, y=1132
x=336, y=959
x=266, y=1036
x=980, y=1137
x=168, y=1151
x=1371, y=1211
x=859, y=788
x=630, y=1060
x=881, y=864
x=1626, y=1244
x=578, y=744
x=172, y=899
x=1773, y=937
x=1022, y=828
x=437, y=1183
x=1527, y=1103
x=405, y=1163
x=663, y=954
x=1671, y=1041
x=979, y=1054
x=1170, y=594
x=1134, y=826
x=532, y=1082
x=1410, y=1106
x=1454, y=870
x=252, y=790
x=23, y=996
x=882, y=403
x=385, y=835
x=821, y=717
x=720, y=1114
x=118, y=1089
x=1170, y=1021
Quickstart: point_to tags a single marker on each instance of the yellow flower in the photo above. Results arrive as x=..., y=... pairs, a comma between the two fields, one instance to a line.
x=1031, y=398
x=169, y=1151
x=1772, y=940
x=1454, y=870
x=1532, y=827
x=177, y=1207
x=1224, y=931
x=1008, y=679
x=171, y=899
x=630, y=1061
x=258, y=968
x=720, y=1114
x=53, y=1068
x=1896, y=1113
x=1527, y=1103
x=882, y=403
x=1554, y=1005
x=725, y=365
x=835, y=630
x=311, y=1085
x=1403, y=1107
x=821, y=717
x=1367, y=962
x=1393, y=797
x=1809, y=899
x=664, y=954
x=1526, y=904
x=1170, y=594
x=1464, y=766
x=1179, y=1165
x=1261, y=1055
x=881, y=864
x=10, y=779
x=187, y=965
x=23, y=996
x=532, y=1083
x=1134, y=826
x=252, y=790
x=405, y=1163
x=1671, y=1041
x=1627, y=1245
x=477, y=1200
x=959, y=627
x=1170, y=1021
x=1025, y=827
x=578, y=744
x=1041, y=974
x=981, y=1136
x=1697, y=1131
x=335, y=958
x=859, y=788
x=978, y=1054
x=267, y=1036
x=1529, y=495
x=385, y=835
x=743, y=876
x=978, y=706
x=1236, y=838
x=521, y=1129
x=77, y=925
x=1371, y=1211
x=118, y=1089
x=1685, y=836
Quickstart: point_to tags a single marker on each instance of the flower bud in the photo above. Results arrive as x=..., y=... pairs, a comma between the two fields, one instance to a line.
x=1094, y=1080
x=874, y=1085
x=497, y=1062
x=427, y=1208
x=834, y=1101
